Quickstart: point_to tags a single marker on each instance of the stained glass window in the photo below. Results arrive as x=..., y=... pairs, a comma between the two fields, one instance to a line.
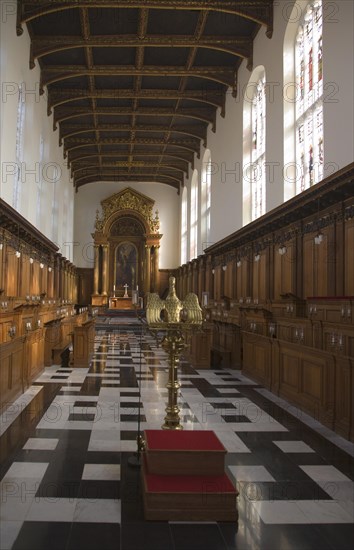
x=184, y=227
x=206, y=202
x=258, y=180
x=309, y=110
x=193, y=253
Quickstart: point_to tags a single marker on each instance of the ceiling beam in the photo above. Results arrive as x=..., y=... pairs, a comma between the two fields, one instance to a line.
x=70, y=130
x=116, y=175
x=202, y=114
x=187, y=144
x=259, y=11
x=130, y=178
x=135, y=165
x=57, y=73
x=240, y=46
x=58, y=97
x=84, y=157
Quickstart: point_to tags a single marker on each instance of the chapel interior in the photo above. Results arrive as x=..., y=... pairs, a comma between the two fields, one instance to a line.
x=177, y=275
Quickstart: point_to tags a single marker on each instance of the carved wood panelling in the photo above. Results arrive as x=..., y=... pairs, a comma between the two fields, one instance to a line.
x=349, y=259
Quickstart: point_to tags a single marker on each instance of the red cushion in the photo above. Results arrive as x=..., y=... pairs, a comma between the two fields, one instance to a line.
x=182, y=441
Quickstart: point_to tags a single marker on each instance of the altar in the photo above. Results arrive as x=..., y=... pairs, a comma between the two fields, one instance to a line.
x=126, y=249
x=120, y=302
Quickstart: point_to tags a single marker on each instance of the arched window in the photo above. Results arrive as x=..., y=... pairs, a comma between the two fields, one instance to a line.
x=254, y=173
x=303, y=98
x=193, y=244
x=308, y=106
x=205, y=205
x=184, y=226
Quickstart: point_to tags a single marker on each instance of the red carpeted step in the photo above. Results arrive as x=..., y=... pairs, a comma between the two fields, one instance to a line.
x=188, y=484
x=191, y=498
x=184, y=453
x=199, y=440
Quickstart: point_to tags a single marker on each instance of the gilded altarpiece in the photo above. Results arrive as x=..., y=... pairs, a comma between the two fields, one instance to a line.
x=126, y=243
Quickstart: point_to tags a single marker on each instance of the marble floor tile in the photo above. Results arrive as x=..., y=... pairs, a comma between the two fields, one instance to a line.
x=232, y=442
x=15, y=508
x=324, y=473
x=102, y=445
x=98, y=511
x=325, y=512
x=41, y=443
x=293, y=447
x=251, y=473
x=15, y=409
x=279, y=512
x=9, y=531
x=86, y=410
x=26, y=470
x=52, y=509
x=340, y=491
x=225, y=391
x=129, y=446
x=109, y=472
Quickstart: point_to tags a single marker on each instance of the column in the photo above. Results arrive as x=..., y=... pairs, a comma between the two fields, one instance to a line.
x=209, y=277
x=96, y=270
x=147, y=267
x=195, y=277
x=104, y=269
x=66, y=268
x=156, y=269
x=75, y=284
x=56, y=289
x=70, y=296
x=61, y=279
x=50, y=276
x=201, y=278
x=185, y=280
x=190, y=277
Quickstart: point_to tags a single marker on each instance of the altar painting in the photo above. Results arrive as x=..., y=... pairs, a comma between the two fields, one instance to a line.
x=126, y=266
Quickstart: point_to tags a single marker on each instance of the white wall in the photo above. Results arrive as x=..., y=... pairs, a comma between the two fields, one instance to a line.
x=46, y=198
x=55, y=199
x=226, y=145
x=338, y=70
x=88, y=199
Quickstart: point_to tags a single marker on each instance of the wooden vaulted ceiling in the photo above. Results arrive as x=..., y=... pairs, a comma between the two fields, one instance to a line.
x=133, y=85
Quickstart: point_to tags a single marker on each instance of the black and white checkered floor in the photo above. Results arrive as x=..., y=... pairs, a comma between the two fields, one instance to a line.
x=70, y=486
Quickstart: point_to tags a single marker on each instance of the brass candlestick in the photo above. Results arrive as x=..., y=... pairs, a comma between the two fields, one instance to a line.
x=182, y=316
x=173, y=344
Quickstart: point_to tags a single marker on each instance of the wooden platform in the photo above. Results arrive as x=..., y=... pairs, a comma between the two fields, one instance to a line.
x=183, y=477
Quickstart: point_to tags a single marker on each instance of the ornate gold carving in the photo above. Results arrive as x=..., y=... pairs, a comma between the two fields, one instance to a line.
x=127, y=226
x=173, y=307
x=128, y=199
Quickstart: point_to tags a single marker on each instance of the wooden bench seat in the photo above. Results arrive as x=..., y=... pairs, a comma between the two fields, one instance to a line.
x=60, y=354
x=220, y=356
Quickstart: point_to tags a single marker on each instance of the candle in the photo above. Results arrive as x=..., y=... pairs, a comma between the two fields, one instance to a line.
x=114, y=287
x=137, y=288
